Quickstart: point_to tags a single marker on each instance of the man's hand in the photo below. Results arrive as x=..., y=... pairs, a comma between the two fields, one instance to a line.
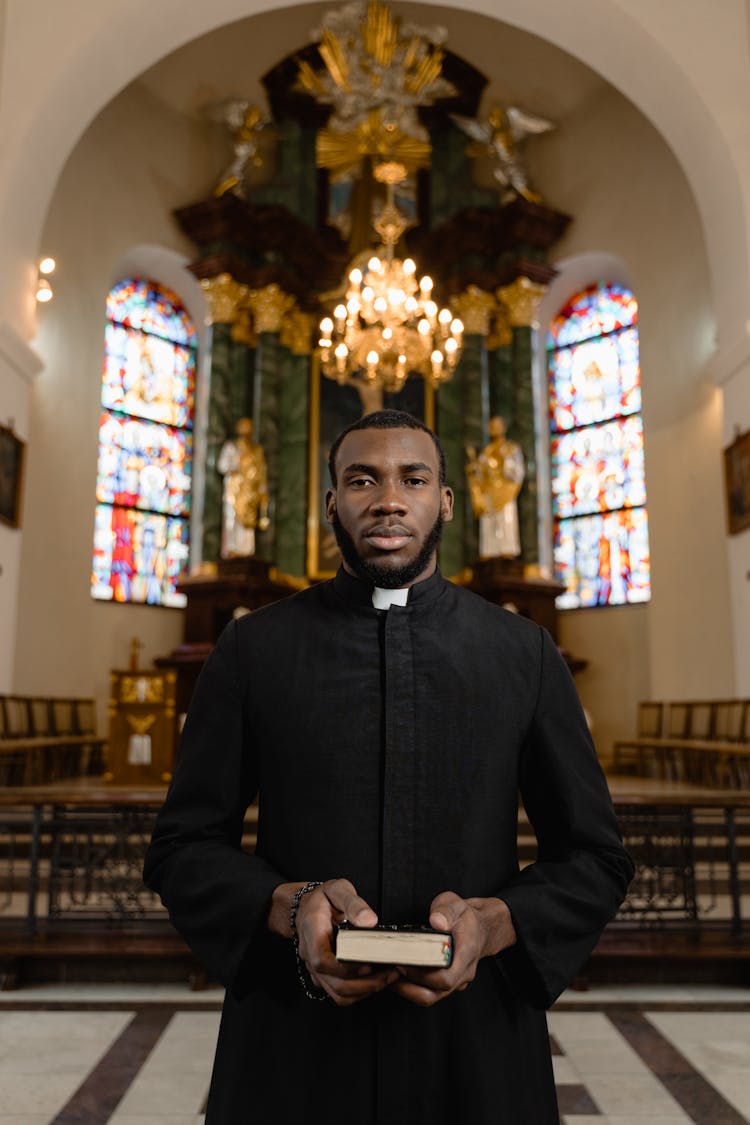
x=318, y=913
x=481, y=927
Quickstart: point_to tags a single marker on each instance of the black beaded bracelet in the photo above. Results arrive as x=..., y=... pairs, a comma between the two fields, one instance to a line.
x=304, y=977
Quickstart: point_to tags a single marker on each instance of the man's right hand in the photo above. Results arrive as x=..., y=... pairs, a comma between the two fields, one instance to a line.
x=318, y=914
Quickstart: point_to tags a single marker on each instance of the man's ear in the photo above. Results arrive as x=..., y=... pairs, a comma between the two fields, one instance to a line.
x=330, y=505
x=446, y=504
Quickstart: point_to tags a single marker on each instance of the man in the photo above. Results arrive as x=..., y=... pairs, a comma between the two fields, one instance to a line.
x=388, y=747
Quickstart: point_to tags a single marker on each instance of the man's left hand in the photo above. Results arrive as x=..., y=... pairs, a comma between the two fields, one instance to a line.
x=481, y=927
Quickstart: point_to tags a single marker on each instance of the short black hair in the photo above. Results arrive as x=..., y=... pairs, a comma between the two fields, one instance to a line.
x=386, y=420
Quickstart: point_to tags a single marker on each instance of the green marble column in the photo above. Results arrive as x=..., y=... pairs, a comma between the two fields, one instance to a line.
x=291, y=501
x=229, y=398
x=472, y=372
x=451, y=181
x=448, y=426
x=523, y=431
x=500, y=384
x=461, y=421
x=219, y=425
x=269, y=358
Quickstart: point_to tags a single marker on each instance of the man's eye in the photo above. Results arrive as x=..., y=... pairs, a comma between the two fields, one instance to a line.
x=359, y=482
x=416, y=481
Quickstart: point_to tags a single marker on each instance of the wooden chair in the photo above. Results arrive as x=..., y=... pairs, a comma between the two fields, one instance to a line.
x=686, y=759
x=730, y=717
x=629, y=757
x=13, y=760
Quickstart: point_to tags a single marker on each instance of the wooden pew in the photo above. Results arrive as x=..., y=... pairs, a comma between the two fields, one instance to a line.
x=705, y=742
x=44, y=739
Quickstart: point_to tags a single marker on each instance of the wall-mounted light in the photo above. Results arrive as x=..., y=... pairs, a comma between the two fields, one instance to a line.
x=43, y=287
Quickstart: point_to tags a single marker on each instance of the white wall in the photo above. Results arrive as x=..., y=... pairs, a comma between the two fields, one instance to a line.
x=736, y=419
x=608, y=168
x=138, y=162
x=19, y=364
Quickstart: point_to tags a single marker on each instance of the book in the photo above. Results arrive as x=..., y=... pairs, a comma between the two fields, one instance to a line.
x=394, y=945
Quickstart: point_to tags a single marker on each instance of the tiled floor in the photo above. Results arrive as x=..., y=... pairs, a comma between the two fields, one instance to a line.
x=141, y=1055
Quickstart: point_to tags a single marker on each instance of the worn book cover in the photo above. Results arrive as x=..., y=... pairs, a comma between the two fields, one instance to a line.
x=395, y=945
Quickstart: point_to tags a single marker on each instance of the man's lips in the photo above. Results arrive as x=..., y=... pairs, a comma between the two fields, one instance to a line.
x=391, y=538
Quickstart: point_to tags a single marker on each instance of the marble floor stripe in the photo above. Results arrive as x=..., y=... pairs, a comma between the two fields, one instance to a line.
x=576, y=1099
x=175, y=1077
x=701, y=1101
x=98, y=1096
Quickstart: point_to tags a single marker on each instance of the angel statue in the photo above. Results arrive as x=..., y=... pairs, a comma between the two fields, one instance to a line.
x=499, y=138
x=247, y=123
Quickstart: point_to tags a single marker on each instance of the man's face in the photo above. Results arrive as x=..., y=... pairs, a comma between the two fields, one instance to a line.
x=388, y=507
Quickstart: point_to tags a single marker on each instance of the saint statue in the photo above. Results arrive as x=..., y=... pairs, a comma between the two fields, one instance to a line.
x=495, y=477
x=242, y=464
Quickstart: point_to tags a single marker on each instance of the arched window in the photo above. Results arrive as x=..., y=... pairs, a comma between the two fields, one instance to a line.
x=145, y=447
x=598, y=482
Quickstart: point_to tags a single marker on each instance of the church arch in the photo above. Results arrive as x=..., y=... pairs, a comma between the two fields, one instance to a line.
x=81, y=86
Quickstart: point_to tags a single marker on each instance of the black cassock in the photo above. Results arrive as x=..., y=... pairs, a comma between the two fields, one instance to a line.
x=389, y=748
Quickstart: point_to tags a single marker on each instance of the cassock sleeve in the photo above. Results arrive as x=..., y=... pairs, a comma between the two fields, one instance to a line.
x=217, y=895
x=561, y=903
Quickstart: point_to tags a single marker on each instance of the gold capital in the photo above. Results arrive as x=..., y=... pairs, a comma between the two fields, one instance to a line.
x=474, y=306
x=297, y=332
x=270, y=305
x=242, y=328
x=500, y=334
x=522, y=299
x=223, y=294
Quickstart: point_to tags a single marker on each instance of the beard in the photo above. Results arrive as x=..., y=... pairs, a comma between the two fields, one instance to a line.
x=387, y=577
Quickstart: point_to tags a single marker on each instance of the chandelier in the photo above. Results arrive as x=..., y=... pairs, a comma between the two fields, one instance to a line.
x=388, y=325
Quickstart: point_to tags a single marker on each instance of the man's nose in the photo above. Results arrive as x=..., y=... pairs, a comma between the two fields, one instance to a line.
x=389, y=498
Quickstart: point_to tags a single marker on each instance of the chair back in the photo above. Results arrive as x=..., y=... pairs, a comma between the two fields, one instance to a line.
x=62, y=716
x=650, y=718
x=678, y=719
x=41, y=718
x=729, y=719
x=85, y=716
x=17, y=716
x=701, y=720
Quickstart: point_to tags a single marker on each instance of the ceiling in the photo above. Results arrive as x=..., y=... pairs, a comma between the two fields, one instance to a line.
x=521, y=68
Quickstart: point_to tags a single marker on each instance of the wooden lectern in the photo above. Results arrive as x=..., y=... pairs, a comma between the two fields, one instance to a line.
x=141, y=743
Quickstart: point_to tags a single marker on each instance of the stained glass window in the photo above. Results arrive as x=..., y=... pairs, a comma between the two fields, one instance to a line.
x=145, y=447
x=597, y=467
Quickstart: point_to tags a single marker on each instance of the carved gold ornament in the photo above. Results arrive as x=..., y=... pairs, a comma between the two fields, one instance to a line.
x=521, y=300
x=377, y=71
x=475, y=308
x=224, y=296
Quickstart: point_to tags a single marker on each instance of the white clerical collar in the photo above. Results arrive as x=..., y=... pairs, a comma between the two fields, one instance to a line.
x=384, y=599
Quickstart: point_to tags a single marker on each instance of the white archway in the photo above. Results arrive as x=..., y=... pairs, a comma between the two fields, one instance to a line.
x=79, y=72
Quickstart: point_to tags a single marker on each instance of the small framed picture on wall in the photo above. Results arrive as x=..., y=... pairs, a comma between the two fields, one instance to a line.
x=737, y=478
x=12, y=451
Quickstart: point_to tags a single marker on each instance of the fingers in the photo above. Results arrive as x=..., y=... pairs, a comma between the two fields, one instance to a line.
x=349, y=990
x=347, y=903
x=446, y=910
x=319, y=912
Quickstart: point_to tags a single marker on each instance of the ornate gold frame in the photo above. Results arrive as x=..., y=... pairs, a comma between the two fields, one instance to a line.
x=737, y=483
x=12, y=456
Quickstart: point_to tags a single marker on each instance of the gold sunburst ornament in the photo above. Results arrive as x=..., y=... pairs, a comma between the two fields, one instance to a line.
x=377, y=72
